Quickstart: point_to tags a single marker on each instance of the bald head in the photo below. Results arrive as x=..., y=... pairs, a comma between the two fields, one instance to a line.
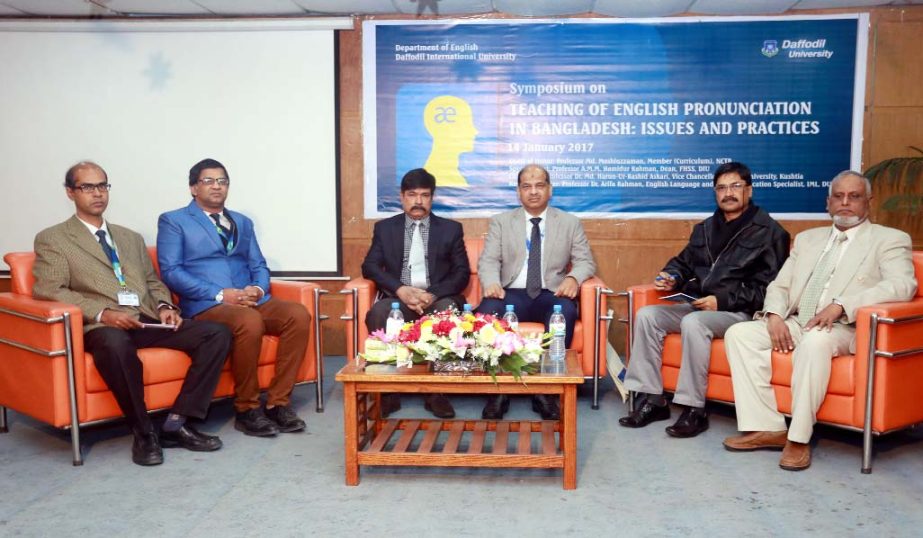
x=70, y=177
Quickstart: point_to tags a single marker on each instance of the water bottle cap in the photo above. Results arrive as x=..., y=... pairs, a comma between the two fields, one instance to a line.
x=395, y=305
x=557, y=309
x=467, y=307
x=509, y=308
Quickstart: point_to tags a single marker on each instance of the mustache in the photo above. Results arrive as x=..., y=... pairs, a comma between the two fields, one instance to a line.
x=729, y=199
x=418, y=207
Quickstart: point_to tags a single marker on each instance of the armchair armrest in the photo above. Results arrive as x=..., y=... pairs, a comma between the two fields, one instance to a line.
x=594, y=331
x=644, y=295
x=365, y=291
x=297, y=292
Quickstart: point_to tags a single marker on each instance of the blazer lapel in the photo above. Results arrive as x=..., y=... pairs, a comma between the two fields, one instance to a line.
x=806, y=266
x=856, y=252
x=83, y=239
x=551, y=234
x=397, y=243
x=518, y=230
x=207, y=224
x=434, y=231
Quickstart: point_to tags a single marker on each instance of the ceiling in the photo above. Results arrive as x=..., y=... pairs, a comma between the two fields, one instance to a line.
x=525, y=8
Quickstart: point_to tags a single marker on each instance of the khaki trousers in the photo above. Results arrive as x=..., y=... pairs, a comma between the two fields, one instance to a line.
x=287, y=320
x=749, y=348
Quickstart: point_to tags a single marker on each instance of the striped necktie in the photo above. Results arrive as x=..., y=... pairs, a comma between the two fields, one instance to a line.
x=807, y=306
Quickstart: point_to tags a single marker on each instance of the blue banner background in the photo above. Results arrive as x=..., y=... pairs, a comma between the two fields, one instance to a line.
x=656, y=63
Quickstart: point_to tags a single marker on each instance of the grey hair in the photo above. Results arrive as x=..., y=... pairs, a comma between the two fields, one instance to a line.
x=847, y=173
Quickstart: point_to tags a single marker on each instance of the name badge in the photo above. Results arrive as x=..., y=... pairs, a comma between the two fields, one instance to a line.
x=128, y=298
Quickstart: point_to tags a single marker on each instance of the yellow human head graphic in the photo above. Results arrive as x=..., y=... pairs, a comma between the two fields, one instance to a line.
x=449, y=121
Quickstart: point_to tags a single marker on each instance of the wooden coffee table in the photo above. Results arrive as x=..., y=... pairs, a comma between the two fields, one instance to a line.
x=371, y=440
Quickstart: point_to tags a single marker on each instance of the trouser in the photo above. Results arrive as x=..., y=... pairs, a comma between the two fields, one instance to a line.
x=115, y=354
x=377, y=316
x=289, y=321
x=749, y=351
x=697, y=328
x=536, y=310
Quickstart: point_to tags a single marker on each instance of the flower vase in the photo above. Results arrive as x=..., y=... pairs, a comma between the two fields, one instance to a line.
x=457, y=366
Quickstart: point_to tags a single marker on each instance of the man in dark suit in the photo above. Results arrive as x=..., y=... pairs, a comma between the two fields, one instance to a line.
x=420, y=261
x=105, y=270
x=210, y=257
x=535, y=257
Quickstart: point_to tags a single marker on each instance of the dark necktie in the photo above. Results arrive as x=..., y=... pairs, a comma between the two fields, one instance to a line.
x=225, y=234
x=534, y=270
x=101, y=234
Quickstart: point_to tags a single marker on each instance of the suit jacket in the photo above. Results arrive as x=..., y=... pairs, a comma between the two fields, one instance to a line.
x=875, y=268
x=565, y=251
x=195, y=264
x=446, y=257
x=70, y=267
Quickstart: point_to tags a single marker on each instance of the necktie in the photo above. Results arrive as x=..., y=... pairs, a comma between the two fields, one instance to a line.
x=807, y=306
x=534, y=270
x=417, y=258
x=224, y=233
x=101, y=234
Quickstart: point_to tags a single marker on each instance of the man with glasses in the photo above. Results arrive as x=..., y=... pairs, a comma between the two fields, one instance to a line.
x=810, y=312
x=210, y=257
x=105, y=270
x=723, y=271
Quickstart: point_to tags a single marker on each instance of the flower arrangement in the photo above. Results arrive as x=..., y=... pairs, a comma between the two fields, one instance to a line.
x=449, y=336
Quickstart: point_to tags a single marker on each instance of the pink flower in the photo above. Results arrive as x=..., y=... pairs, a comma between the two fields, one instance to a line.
x=380, y=334
x=508, y=343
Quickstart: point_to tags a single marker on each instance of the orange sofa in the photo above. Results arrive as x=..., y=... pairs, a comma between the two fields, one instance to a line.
x=45, y=373
x=589, y=336
x=875, y=397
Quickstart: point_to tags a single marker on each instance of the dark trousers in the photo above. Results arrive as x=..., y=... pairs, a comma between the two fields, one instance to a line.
x=377, y=316
x=115, y=354
x=536, y=310
x=289, y=321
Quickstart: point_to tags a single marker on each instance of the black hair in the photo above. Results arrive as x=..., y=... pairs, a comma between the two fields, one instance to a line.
x=204, y=164
x=418, y=178
x=527, y=167
x=70, y=180
x=733, y=168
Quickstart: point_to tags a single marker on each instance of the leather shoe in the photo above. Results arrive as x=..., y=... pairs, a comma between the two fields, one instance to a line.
x=795, y=456
x=691, y=422
x=145, y=449
x=285, y=418
x=390, y=403
x=757, y=441
x=254, y=422
x=644, y=415
x=496, y=406
x=547, y=406
x=191, y=439
x=438, y=405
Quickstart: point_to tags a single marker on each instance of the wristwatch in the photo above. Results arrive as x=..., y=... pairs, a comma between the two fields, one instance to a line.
x=838, y=303
x=220, y=296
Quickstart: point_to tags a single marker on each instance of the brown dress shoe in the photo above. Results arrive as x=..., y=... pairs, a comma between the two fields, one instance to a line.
x=795, y=456
x=756, y=441
x=438, y=405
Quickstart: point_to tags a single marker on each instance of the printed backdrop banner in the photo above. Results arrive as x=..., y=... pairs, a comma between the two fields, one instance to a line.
x=631, y=118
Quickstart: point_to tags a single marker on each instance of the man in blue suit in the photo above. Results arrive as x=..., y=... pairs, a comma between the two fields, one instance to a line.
x=210, y=257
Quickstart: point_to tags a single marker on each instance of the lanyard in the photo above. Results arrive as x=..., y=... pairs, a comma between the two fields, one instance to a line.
x=116, y=266
x=229, y=241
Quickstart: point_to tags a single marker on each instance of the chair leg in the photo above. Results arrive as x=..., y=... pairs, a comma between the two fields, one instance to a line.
x=3, y=427
x=595, y=392
x=867, y=457
x=75, y=445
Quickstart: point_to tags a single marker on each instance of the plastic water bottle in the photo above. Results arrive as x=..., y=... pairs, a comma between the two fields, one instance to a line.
x=467, y=308
x=510, y=318
x=557, y=328
x=395, y=320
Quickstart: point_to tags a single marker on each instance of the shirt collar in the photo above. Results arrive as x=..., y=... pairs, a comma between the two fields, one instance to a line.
x=408, y=222
x=529, y=217
x=851, y=232
x=94, y=229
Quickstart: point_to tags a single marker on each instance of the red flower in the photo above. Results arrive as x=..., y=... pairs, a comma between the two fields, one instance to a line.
x=442, y=328
x=410, y=335
x=478, y=323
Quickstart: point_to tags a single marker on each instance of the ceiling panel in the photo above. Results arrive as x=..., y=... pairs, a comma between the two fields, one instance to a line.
x=641, y=8
x=347, y=6
x=155, y=7
x=252, y=7
x=736, y=7
x=444, y=7
x=78, y=8
x=7, y=10
x=827, y=4
x=551, y=8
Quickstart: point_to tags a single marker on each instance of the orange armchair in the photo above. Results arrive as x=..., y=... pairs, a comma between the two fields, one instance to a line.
x=589, y=335
x=876, y=397
x=46, y=374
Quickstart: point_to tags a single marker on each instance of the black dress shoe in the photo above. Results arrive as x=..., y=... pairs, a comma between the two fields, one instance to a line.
x=645, y=414
x=390, y=403
x=547, y=406
x=692, y=422
x=254, y=422
x=191, y=439
x=285, y=418
x=145, y=449
x=438, y=405
x=496, y=407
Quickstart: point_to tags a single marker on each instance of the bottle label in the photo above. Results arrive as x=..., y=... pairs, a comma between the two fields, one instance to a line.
x=514, y=326
x=393, y=326
x=557, y=328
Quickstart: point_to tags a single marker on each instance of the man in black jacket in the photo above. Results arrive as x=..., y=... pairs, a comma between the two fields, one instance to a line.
x=730, y=259
x=419, y=261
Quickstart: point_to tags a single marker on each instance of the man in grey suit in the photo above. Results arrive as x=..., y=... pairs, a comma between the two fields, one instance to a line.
x=535, y=257
x=810, y=311
x=105, y=270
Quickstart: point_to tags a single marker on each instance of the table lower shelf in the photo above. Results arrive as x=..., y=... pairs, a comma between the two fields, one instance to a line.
x=464, y=443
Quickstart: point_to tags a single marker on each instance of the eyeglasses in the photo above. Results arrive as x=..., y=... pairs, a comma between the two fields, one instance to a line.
x=721, y=189
x=852, y=196
x=88, y=188
x=209, y=181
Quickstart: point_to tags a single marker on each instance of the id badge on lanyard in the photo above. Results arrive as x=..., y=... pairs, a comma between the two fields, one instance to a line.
x=126, y=296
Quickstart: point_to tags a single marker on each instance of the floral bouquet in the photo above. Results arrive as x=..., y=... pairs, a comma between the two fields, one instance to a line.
x=450, y=337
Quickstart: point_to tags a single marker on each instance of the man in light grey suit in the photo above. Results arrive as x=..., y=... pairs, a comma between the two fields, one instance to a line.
x=535, y=257
x=810, y=311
